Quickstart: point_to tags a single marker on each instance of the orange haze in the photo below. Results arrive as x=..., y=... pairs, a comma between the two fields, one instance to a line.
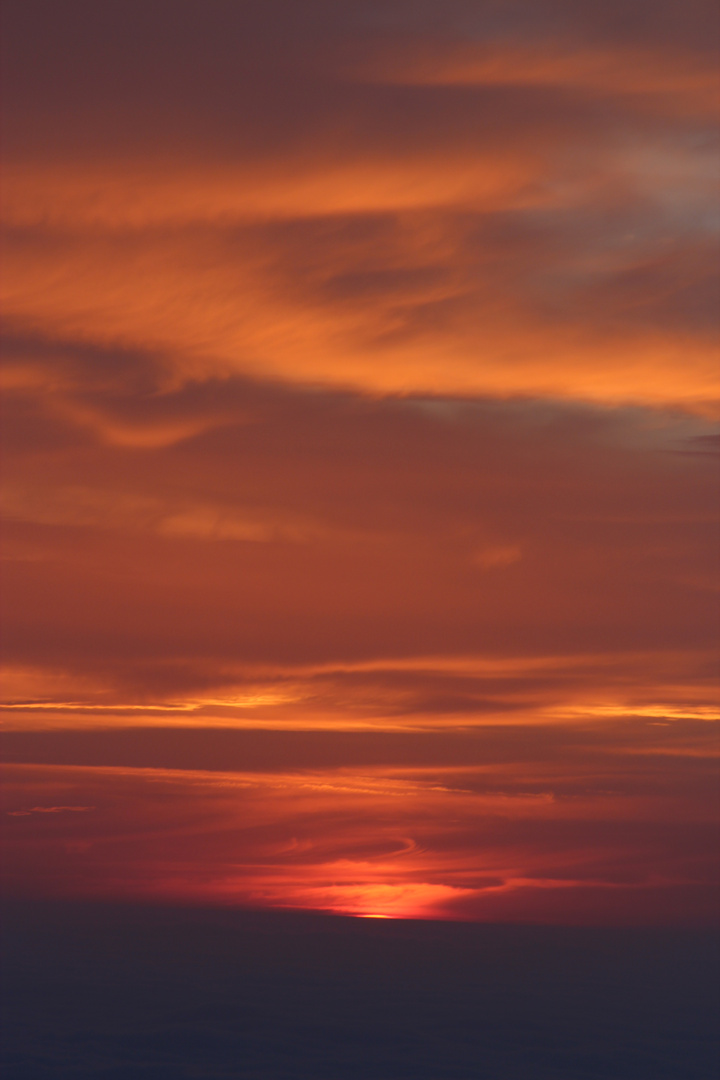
x=360, y=371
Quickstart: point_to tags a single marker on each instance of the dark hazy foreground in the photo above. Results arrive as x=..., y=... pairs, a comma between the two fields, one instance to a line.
x=172, y=993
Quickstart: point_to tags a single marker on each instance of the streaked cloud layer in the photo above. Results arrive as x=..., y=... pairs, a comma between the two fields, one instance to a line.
x=360, y=368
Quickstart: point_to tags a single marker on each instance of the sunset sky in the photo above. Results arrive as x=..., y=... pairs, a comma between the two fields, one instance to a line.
x=360, y=470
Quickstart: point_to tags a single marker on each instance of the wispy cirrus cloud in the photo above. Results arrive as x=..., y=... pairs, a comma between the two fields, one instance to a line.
x=531, y=212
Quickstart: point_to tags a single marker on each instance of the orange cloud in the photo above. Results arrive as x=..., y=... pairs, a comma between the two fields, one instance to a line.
x=667, y=78
x=513, y=219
